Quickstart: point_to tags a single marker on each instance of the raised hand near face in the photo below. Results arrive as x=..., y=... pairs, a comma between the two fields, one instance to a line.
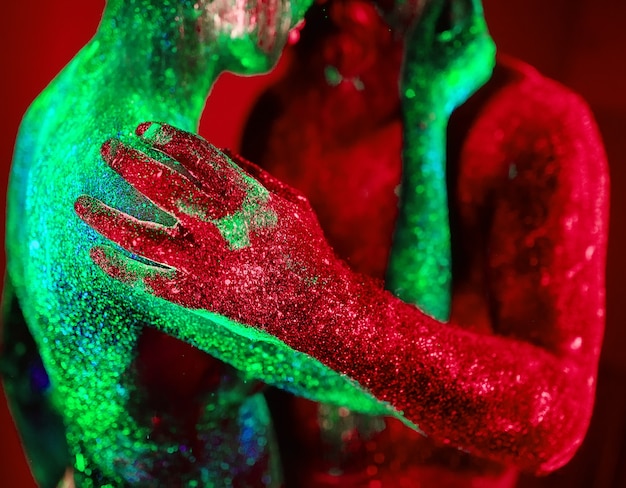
x=449, y=53
x=244, y=245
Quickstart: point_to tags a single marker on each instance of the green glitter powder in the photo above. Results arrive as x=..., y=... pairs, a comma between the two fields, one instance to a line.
x=235, y=228
x=333, y=77
x=138, y=67
x=441, y=71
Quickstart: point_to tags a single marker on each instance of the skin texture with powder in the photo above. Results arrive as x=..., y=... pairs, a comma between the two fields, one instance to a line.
x=505, y=375
x=506, y=403
x=525, y=265
x=102, y=405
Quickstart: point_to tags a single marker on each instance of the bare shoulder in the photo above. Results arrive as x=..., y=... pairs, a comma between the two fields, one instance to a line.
x=546, y=208
x=534, y=131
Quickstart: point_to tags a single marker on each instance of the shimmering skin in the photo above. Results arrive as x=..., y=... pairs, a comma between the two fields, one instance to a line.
x=148, y=60
x=512, y=305
x=442, y=68
x=520, y=397
x=511, y=377
x=524, y=402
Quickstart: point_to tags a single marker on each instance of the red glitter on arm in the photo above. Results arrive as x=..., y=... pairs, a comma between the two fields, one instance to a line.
x=498, y=397
x=535, y=168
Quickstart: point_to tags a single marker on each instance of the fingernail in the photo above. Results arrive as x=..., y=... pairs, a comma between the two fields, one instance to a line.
x=82, y=205
x=109, y=148
x=148, y=130
x=142, y=128
x=97, y=254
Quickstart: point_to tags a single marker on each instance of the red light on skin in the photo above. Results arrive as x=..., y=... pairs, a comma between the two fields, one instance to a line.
x=294, y=34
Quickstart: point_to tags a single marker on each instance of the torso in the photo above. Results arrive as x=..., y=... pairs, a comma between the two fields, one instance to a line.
x=352, y=185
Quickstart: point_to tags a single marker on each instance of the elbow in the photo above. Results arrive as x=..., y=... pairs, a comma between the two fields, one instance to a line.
x=555, y=453
x=552, y=440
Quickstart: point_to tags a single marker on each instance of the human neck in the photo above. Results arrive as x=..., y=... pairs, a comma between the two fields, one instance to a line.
x=155, y=51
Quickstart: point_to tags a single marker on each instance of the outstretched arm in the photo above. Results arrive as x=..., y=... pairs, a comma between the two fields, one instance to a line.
x=256, y=255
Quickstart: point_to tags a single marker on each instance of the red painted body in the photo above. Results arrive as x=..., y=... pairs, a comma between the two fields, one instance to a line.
x=509, y=381
x=593, y=146
x=528, y=184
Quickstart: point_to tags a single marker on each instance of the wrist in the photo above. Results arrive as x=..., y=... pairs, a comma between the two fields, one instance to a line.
x=325, y=314
x=355, y=315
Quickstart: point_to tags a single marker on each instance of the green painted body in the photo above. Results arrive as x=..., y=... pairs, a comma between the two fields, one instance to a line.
x=442, y=69
x=86, y=325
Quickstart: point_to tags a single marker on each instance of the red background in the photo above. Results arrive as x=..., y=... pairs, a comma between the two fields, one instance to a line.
x=579, y=42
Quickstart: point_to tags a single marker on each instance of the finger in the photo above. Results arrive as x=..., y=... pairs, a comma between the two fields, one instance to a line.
x=270, y=182
x=433, y=15
x=160, y=282
x=147, y=239
x=168, y=189
x=125, y=269
x=209, y=166
x=177, y=290
x=459, y=18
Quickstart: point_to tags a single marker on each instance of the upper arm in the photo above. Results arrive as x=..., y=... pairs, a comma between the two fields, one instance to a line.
x=547, y=239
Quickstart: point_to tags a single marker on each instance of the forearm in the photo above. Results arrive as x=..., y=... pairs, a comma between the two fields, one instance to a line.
x=420, y=260
x=492, y=396
x=441, y=70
